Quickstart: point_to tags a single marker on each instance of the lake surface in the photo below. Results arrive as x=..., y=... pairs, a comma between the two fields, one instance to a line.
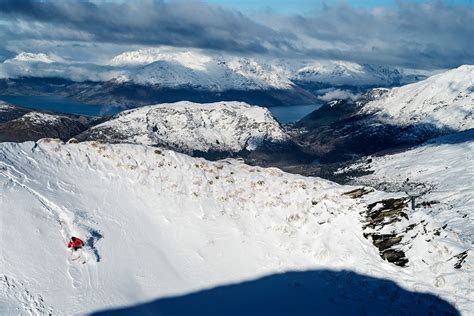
x=284, y=114
x=294, y=113
x=60, y=105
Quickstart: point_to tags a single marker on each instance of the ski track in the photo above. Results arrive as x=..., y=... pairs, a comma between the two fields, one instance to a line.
x=65, y=219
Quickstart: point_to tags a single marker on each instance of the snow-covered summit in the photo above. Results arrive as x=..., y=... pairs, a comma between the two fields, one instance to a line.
x=260, y=71
x=188, y=127
x=347, y=73
x=445, y=100
x=38, y=118
x=31, y=57
x=187, y=58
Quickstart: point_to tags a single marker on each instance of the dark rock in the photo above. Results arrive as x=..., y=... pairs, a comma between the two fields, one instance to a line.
x=357, y=193
x=461, y=259
x=380, y=214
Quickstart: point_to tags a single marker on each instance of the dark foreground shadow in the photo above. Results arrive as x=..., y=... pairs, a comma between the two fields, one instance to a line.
x=319, y=292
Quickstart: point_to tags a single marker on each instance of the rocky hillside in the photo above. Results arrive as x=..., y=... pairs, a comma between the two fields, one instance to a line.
x=438, y=174
x=19, y=124
x=218, y=129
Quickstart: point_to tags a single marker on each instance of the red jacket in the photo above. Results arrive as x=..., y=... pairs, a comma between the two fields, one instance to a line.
x=75, y=243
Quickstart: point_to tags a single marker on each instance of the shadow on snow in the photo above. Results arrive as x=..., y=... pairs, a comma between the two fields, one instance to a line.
x=317, y=292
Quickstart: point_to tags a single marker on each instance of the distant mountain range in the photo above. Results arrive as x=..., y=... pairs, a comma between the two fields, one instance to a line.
x=378, y=120
x=168, y=75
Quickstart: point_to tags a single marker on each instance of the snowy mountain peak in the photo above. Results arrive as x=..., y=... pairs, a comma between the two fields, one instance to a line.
x=186, y=58
x=347, y=73
x=188, y=127
x=265, y=72
x=445, y=100
x=31, y=57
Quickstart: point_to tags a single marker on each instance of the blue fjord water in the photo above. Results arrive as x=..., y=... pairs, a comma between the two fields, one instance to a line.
x=58, y=104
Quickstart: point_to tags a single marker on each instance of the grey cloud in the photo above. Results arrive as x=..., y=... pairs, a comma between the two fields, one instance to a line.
x=426, y=35
x=75, y=72
x=145, y=22
x=432, y=34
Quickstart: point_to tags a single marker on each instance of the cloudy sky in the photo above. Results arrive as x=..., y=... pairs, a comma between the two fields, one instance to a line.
x=416, y=34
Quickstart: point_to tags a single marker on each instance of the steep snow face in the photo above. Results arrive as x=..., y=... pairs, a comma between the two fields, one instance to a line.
x=187, y=126
x=445, y=100
x=347, y=73
x=157, y=223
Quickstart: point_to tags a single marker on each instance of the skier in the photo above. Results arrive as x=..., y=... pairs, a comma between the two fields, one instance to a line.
x=75, y=243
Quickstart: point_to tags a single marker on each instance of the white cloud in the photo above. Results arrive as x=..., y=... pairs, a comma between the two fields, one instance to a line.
x=338, y=94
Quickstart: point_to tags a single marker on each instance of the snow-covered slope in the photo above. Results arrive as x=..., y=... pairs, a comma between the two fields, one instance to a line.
x=188, y=127
x=445, y=100
x=159, y=224
x=382, y=119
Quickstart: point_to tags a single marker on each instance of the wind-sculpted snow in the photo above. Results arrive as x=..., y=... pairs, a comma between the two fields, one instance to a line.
x=188, y=127
x=445, y=100
x=165, y=224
